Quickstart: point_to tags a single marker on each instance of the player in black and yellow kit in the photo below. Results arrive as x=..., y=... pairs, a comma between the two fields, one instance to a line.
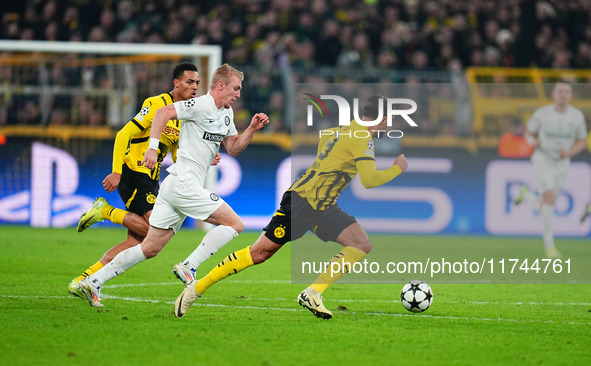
x=137, y=185
x=310, y=204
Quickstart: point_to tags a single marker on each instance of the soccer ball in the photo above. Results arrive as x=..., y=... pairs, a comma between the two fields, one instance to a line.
x=416, y=296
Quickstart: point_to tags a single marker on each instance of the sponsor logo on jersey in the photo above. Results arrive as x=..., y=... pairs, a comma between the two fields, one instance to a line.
x=213, y=137
x=227, y=121
x=171, y=131
x=214, y=197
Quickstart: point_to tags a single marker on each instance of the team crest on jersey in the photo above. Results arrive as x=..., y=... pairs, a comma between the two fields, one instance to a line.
x=151, y=198
x=279, y=232
x=214, y=197
x=227, y=121
x=145, y=111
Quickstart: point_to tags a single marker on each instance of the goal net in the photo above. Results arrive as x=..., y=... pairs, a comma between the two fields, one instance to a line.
x=89, y=84
x=60, y=106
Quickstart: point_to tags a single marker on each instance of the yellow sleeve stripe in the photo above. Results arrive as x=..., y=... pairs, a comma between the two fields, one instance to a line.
x=135, y=122
x=364, y=158
x=279, y=214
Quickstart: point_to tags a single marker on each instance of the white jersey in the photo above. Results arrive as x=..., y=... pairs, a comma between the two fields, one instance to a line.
x=557, y=130
x=203, y=129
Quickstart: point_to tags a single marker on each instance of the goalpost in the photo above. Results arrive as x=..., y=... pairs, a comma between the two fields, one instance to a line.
x=54, y=83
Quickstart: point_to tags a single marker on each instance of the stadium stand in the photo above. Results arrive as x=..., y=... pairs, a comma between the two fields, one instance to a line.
x=370, y=41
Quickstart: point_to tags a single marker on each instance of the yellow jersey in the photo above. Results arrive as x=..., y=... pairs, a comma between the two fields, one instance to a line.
x=335, y=164
x=133, y=139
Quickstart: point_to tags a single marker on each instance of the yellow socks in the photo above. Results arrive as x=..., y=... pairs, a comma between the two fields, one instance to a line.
x=233, y=263
x=115, y=215
x=95, y=267
x=345, y=258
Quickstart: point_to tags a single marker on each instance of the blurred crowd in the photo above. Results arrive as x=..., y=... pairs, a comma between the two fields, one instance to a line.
x=385, y=34
x=311, y=35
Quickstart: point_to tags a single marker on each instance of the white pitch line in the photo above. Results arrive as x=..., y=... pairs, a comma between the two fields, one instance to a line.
x=177, y=283
x=106, y=296
x=357, y=312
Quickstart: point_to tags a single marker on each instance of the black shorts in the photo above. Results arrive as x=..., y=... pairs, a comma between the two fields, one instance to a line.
x=295, y=216
x=137, y=190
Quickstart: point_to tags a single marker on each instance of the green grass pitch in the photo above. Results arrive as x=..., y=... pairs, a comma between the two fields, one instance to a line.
x=253, y=319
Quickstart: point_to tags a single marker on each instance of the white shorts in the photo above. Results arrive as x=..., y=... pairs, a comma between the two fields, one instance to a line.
x=550, y=173
x=178, y=199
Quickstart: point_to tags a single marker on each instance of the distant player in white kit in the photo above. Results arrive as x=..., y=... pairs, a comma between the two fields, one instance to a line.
x=207, y=122
x=557, y=132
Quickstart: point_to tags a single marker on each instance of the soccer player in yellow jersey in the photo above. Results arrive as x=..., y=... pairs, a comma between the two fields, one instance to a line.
x=137, y=185
x=310, y=204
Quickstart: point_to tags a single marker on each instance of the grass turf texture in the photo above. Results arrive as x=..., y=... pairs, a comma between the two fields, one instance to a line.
x=253, y=319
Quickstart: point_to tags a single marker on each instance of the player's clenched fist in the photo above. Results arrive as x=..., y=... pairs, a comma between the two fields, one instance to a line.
x=216, y=159
x=111, y=182
x=401, y=162
x=150, y=158
x=259, y=121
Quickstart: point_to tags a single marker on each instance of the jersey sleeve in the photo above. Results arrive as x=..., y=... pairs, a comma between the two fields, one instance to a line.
x=362, y=148
x=137, y=124
x=534, y=123
x=232, y=130
x=189, y=110
x=121, y=142
x=144, y=118
x=372, y=177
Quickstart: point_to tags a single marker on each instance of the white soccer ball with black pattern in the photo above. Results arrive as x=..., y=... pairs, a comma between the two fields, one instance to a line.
x=416, y=296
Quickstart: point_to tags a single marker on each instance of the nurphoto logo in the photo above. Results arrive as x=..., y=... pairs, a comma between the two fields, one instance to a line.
x=344, y=113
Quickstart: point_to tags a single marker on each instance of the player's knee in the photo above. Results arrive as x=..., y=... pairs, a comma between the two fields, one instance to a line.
x=150, y=251
x=238, y=225
x=364, y=245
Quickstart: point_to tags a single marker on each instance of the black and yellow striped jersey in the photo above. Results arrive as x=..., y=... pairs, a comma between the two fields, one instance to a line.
x=133, y=139
x=335, y=165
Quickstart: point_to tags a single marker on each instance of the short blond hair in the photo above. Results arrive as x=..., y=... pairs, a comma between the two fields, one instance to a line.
x=224, y=73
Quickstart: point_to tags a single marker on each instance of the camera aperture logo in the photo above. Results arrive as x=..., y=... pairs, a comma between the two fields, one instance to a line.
x=344, y=111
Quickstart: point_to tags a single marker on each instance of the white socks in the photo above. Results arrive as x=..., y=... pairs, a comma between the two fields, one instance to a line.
x=211, y=243
x=122, y=262
x=548, y=225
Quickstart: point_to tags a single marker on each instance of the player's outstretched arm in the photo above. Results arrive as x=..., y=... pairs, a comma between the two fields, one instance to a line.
x=372, y=177
x=161, y=118
x=236, y=144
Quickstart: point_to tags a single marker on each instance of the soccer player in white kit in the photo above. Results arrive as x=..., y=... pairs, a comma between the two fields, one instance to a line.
x=557, y=132
x=207, y=122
